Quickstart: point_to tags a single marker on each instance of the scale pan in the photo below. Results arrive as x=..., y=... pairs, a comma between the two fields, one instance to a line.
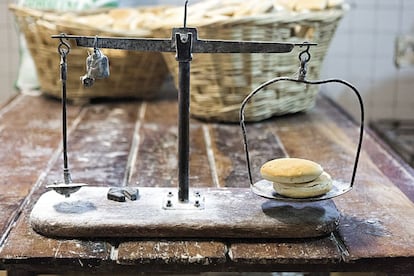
x=264, y=188
x=66, y=189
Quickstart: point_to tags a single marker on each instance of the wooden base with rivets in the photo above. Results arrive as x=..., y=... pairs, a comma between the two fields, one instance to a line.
x=211, y=213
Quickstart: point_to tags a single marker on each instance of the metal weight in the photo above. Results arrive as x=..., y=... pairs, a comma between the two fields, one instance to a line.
x=97, y=66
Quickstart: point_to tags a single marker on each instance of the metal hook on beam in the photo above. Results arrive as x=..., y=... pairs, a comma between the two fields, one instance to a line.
x=63, y=47
x=304, y=58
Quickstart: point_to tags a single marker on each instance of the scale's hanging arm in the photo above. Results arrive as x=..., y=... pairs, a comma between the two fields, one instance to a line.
x=184, y=42
x=263, y=187
x=67, y=187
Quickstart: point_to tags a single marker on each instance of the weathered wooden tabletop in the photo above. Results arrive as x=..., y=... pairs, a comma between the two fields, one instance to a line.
x=376, y=230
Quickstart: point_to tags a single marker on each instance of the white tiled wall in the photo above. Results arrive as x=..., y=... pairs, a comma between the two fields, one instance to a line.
x=8, y=53
x=361, y=52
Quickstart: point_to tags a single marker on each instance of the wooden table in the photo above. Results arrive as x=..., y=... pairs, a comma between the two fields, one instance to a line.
x=376, y=230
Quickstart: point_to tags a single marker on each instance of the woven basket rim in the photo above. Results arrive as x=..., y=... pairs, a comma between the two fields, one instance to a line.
x=282, y=17
x=50, y=16
x=38, y=26
x=286, y=17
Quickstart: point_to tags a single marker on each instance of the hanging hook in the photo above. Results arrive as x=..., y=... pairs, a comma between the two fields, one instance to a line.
x=185, y=13
x=305, y=52
x=304, y=58
x=95, y=44
x=63, y=47
x=63, y=50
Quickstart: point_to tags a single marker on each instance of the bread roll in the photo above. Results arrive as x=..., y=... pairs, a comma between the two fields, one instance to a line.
x=316, y=5
x=287, y=4
x=291, y=170
x=101, y=20
x=123, y=18
x=335, y=3
x=317, y=187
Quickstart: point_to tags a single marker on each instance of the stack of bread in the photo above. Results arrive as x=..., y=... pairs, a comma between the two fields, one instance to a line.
x=297, y=178
x=141, y=21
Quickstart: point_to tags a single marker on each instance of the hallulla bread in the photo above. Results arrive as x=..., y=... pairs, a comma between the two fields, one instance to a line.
x=141, y=20
x=123, y=18
x=102, y=20
x=317, y=187
x=297, y=178
x=291, y=170
x=311, y=5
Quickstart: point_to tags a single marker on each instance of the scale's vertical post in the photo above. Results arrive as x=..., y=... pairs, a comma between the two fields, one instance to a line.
x=183, y=44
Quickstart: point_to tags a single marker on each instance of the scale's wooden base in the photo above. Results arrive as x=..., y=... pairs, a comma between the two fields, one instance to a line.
x=220, y=213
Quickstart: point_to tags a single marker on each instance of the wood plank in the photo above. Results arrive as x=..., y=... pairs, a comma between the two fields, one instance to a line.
x=100, y=146
x=26, y=245
x=401, y=174
x=319, y=255
x=156, y=163
x=377, y=217
x=170, y=254
x=29, y=135
x=228, y=148
x=164, y=111
x=99, y=150
x=376, y=224
x=285, y=255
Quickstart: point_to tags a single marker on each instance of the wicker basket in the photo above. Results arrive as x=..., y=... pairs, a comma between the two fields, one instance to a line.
x=220, y=82
x=133, y=74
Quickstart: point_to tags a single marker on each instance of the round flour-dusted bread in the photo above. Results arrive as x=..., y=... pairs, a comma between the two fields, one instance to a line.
x=290, y=170
x=317, y=187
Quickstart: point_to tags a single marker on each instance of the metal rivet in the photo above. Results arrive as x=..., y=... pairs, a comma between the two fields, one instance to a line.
x=184, y=38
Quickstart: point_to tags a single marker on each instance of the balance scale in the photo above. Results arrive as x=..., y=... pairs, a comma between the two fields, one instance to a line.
x=136, y=212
